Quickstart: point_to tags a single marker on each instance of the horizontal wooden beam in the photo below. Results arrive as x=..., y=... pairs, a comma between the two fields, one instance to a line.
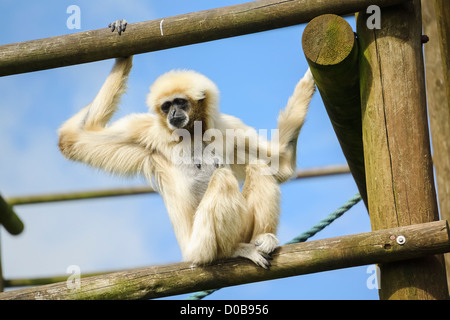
x=82, y=195
x=9, y=219
x=170, y=32
x=290, y=260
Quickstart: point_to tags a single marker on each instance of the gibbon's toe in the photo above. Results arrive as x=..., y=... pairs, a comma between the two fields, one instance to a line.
x=248, y=251
x=120, y=25
x=260, y=260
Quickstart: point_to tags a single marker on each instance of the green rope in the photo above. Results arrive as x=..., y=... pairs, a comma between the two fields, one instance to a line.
x=327, y=221
x=301, y=238
x=201, y=294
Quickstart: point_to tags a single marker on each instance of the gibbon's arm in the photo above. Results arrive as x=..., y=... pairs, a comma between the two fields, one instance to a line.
x=292, y=118
x=118, y=148
x=290, y=122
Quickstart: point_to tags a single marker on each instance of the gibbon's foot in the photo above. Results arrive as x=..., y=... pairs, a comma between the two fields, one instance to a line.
x=249, y=251
x=266, y=243
x=120, y=25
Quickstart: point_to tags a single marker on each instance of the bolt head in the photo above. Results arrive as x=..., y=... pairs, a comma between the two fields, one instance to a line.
x=401, y=240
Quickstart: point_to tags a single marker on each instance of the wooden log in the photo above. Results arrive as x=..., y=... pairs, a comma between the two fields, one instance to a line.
x=9, y=219
x=24, y=282
x=169, y=32
x=83, y=195
x=80, y=195
x=438, y=111
x=288, y=260
x=399, y=171
x=331, y=50
x=443, y=22
x=2, y=280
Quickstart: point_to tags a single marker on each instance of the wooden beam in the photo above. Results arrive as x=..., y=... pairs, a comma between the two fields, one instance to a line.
x=331, y=50
x=438, y=111
x=288, y=260
x=2, y=280
x=442, y=8
x=169, y=32
x=25, y=282
x=9, y=219
x=398, y=164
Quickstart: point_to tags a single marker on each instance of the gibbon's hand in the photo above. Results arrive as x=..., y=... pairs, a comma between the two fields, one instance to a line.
x=120, y=25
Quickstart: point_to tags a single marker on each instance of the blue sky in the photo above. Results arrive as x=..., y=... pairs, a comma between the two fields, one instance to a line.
x=256, y=75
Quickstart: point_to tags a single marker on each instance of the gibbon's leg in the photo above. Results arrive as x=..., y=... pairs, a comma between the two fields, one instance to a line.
x=262, y=194
x=219, y=219
x=222, y=221
x=290, y=122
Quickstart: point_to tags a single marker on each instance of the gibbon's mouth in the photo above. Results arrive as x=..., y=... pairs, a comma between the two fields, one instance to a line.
x=178, y=122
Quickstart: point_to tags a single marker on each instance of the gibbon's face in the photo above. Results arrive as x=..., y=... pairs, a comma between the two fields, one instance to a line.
x=181, y=97
x=177, y=111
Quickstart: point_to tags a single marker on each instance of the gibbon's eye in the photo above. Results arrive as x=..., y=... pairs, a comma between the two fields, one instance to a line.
x=182, y=103
x=166, y=107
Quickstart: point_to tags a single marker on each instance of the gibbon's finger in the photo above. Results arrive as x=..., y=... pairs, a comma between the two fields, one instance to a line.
x=120, y=25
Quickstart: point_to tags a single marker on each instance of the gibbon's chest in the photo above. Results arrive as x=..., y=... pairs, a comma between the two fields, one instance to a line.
x=195, y=178
x=196, y=173
x=192, y=169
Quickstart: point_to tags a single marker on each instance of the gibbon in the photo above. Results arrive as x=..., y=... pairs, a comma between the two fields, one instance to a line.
x=211, y=216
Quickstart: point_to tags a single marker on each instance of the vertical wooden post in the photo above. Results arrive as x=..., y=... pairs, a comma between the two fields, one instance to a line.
x=331, y=50
x=397, y=154
x=443, y=22
x=2, y=281
x=438, y=108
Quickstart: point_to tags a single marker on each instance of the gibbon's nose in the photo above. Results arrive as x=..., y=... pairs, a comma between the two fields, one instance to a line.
x=177, y=114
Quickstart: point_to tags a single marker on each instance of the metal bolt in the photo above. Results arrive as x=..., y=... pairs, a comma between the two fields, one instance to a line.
x=392, y=237
x=401, y=240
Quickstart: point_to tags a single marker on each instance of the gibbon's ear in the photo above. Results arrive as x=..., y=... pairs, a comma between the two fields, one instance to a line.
x=202, y=96
x=197, y=95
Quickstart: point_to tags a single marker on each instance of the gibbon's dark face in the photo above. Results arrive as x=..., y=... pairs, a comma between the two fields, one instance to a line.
x=177, y=112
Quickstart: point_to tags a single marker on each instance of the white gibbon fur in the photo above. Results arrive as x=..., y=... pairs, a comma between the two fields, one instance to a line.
x=212, y=218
